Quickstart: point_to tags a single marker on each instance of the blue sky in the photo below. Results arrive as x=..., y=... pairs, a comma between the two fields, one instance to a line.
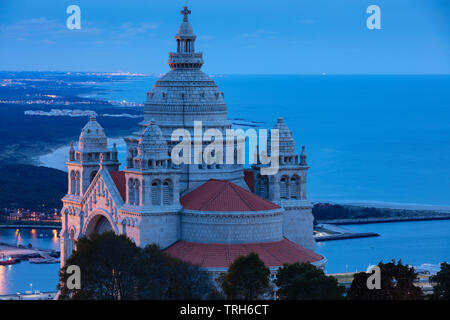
x=236, y=37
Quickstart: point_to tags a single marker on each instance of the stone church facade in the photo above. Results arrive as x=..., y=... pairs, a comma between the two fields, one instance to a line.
x=204, y=214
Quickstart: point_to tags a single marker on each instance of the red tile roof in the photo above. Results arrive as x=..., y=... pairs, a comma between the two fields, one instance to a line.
x=249, y=179
x=216, y=255
x=222, y=195
x=119, y=180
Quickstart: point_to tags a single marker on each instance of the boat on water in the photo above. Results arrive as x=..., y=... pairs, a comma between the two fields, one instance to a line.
x=7, y=260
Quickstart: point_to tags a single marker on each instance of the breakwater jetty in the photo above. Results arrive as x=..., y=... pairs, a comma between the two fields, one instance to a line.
x=343, y=236
x=327, y=232
x=383, y=219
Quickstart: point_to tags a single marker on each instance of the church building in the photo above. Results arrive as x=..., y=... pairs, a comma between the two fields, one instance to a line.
x=204, y=214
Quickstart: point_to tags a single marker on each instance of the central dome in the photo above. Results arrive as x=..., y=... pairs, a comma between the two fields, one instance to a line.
x=185, y=94
x=182, y=98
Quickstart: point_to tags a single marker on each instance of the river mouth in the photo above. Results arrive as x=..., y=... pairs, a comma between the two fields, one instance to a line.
x=58, y=157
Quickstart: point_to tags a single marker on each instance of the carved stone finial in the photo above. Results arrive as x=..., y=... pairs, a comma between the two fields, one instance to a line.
x=303, y=157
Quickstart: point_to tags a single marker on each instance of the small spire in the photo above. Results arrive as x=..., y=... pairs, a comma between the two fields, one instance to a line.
x=114, y=147
x=303, y=157
x=280, y=120
x=71, y=152
x=185, y=12
x=92, y=118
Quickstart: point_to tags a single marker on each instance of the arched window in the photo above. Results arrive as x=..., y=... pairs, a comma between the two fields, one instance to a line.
x=156, y=193
x=130, y=191
x=72, y=182
x=167, y=192
x=293, y=188
x=77, y=183
x=284, y=188
x=137, y=185
x=93, y=174
x=71, y=242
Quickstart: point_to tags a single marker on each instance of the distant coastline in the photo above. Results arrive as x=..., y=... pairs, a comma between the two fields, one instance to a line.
x=388, y=205
x=383, y=220
x=340, y=214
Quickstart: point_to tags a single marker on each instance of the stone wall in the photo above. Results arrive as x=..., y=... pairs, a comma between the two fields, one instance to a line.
x=298, y=223
x=231, y=227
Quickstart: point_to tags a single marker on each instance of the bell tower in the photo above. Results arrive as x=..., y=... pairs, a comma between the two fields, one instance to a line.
x=287, y=188
x=84, y=163
x=152, y=188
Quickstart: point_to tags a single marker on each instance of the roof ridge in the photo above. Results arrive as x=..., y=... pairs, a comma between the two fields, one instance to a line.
x=214, y=195
x=237, y=191
x=254, y=194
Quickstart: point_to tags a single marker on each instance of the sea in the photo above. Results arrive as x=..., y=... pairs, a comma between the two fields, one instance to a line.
x=381, y=139
x=368, y=138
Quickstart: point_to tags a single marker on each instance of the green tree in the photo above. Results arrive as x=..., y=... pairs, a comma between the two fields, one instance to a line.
x=114, y=268
x=306, y=282
x=107, y=263
x=153, y=273
x=187, y=282
x=396, y=282
x=441, y=287
x=247, y=278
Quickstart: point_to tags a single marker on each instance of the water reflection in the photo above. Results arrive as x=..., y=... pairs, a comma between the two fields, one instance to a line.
x=55, y=238
x=2, y=279
x=38, y=238
x=18, y=277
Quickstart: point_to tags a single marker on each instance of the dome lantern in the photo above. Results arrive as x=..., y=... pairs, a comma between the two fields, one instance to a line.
x=185, y=57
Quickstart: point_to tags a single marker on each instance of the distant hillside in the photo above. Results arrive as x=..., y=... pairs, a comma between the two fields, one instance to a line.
x=31, y=187
x=334, y=212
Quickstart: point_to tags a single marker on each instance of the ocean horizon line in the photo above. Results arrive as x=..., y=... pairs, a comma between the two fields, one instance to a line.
x=154, y=74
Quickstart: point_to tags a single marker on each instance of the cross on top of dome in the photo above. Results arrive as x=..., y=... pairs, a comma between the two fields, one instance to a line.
x=185, y=12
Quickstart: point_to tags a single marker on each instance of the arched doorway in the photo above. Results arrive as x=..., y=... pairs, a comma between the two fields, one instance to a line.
x=98, y=224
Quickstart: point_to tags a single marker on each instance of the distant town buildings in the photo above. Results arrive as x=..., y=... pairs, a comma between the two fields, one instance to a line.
x=76, y=113
x=26, y=215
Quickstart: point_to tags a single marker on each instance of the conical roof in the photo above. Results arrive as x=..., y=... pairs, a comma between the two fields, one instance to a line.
x=152, y=145
x=223, y=195
x=92, y=137
x=185, y=30
x=286, y=143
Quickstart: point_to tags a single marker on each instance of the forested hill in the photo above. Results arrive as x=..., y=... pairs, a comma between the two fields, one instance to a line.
x=31, y=187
